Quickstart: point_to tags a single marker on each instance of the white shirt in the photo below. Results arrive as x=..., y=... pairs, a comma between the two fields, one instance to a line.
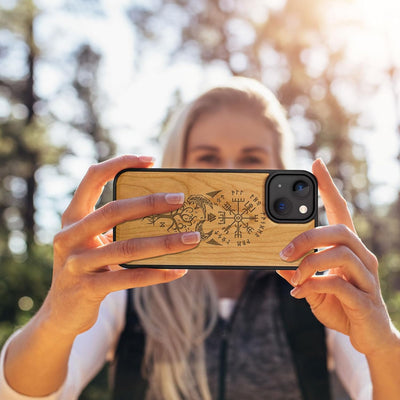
x=94, y=347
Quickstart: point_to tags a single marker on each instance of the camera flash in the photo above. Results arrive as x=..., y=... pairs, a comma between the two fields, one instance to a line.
x=303, y=209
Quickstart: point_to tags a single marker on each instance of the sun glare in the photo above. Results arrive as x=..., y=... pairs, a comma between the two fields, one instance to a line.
x=382, y=17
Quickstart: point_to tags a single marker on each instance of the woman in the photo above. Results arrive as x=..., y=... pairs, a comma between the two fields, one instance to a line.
x=175, y=327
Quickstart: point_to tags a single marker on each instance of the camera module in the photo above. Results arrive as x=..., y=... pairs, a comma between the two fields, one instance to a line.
x=291, y=196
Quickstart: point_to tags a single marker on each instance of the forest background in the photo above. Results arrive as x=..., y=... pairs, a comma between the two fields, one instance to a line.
x=84, y=80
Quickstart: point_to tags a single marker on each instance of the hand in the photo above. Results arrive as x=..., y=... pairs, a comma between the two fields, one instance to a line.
x=347, y=298
x=86, y=261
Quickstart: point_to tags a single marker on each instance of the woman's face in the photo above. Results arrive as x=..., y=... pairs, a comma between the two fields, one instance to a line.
x=230, y=139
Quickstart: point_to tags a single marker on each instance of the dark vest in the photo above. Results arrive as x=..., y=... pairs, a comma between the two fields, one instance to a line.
x=305, y=337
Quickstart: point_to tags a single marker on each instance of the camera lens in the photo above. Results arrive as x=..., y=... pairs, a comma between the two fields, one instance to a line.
x=282, y=206
x=301, y=188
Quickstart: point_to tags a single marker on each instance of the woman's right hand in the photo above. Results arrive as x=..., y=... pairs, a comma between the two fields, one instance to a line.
x=86, y=261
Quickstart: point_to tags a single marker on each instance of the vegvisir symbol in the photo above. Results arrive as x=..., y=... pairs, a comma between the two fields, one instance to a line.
x=236, y=220
x=237, y=217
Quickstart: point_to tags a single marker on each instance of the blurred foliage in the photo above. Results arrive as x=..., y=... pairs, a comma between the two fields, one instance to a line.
x=26, y=149
x=24, y=282
x=288, y=45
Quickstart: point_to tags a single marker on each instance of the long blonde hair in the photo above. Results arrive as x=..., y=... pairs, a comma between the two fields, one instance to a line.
x=178, y=316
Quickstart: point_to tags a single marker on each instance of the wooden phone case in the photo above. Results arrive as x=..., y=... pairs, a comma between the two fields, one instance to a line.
x=228, y=208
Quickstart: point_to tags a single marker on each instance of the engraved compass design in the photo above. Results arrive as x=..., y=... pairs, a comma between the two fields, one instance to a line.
x=223, y=218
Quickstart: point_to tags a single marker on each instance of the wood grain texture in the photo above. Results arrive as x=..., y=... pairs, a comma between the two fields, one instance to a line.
x=227, y=208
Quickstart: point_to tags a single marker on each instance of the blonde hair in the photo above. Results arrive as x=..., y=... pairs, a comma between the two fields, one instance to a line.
x=178, y=316
x=243, y=94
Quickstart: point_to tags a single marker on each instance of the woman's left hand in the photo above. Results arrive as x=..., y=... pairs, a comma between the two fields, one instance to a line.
x=348, y=297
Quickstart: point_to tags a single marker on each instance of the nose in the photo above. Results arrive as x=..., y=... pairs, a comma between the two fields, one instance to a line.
x=228, y=164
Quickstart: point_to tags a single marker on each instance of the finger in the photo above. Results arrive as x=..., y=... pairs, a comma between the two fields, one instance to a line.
x=348, y=294
x=286, y=274
x=109, y=236
x=335, y=205
x=338, y=257
x=113, y=281
x=91, y=186
x=106, y=237
x=326, y=236
x=119, y=211
x=130, y=250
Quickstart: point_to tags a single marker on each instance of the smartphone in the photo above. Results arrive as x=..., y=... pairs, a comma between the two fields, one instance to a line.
x=245, y=217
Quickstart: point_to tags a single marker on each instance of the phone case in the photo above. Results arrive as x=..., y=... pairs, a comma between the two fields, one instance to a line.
x=227, y=207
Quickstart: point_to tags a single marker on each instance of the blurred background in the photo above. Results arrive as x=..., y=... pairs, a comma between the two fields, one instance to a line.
x=84, y=80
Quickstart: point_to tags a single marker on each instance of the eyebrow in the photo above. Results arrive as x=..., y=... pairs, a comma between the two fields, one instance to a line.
x=204, y=147
x=265, y=150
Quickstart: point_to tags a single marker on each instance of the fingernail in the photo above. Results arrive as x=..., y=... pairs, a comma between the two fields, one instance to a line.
x=321, y=161
x=287, y=252
x=180, y=272
x=296, y=278
x=190, y=237
x=175, y=198
x=295, y=291
x=147, y=159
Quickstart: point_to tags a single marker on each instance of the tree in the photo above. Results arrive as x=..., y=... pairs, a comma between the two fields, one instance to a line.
x=23, y=150
x=27, y=120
